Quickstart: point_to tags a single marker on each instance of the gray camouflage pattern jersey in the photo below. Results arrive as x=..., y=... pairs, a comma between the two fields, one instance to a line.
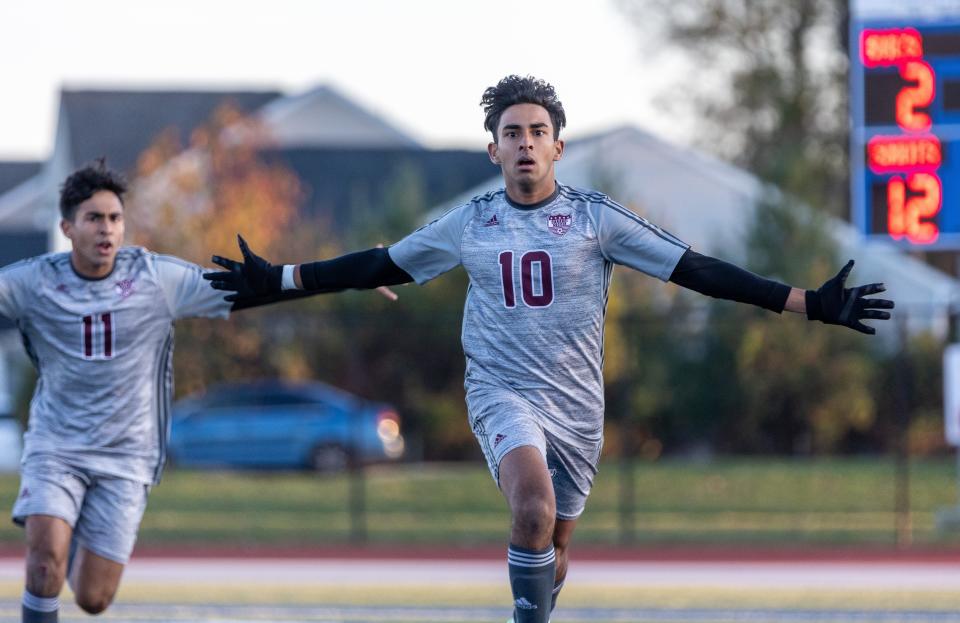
x=539, y=281
x=103, y=350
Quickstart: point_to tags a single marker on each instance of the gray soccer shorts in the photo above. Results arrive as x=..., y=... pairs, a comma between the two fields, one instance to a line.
x=503, y=421
x=104, y=511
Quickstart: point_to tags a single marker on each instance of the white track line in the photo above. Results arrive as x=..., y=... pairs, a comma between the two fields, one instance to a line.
x=351, y=572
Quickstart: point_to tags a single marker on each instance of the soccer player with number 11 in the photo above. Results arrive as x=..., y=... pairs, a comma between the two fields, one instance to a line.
x=97, y=322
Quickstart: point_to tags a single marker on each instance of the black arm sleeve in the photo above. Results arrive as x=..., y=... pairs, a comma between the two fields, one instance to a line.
x=361, y=270
x=722, y=280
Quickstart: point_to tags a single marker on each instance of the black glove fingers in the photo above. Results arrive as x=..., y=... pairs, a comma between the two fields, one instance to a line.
x=842, y=275
x=249, y=257
x=224, y=284
x=225, y=262
x=835, y=304
x=876, y=304
x=220, y=277
x=876, y=315
x=871, y=288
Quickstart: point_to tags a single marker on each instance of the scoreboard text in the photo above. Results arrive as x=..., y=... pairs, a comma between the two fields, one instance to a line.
x=905, y=100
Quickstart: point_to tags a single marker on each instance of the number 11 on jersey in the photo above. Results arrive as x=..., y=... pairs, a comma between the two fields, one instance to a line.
x=98, y=336
x=532, y=295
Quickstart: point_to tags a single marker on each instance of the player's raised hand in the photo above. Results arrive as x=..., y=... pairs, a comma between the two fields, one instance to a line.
x=255, y=276
x=262, y=276
x=231, y=280
x=833, y=303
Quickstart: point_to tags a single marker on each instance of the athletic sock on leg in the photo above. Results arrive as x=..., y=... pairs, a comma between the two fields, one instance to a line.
x=39, y=609
x=556, y=593
x=532, y=573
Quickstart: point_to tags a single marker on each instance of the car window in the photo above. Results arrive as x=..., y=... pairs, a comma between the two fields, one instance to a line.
x=283, y=398
x=228, y=399
x=266, y=398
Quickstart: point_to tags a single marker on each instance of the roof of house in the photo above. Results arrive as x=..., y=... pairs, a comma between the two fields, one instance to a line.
x=119, y=125
x=323, y=117
x=349, y=185
x=15, y=172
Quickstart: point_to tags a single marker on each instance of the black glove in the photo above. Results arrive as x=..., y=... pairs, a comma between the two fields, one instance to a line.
x=834, y=304
x=242, y=296
x=255, y=277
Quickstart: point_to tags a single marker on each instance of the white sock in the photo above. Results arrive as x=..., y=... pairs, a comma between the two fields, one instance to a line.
x=40, y=604
x=39, y=609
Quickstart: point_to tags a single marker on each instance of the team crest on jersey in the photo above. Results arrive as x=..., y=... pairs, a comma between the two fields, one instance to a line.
x=125, y=288
x=559, y=223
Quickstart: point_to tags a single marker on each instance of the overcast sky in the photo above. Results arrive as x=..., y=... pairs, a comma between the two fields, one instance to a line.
x=420, y=64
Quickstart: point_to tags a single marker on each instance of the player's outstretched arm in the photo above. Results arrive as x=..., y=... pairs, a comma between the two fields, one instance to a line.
x=831, y=304
x=240, y=294
x=256, y=279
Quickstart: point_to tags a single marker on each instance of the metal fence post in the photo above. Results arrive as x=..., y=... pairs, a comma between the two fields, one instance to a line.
x=903, y=522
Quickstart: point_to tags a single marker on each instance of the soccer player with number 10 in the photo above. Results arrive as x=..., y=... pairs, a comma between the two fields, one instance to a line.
x=540, y=256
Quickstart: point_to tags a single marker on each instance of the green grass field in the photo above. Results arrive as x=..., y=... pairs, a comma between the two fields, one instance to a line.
x=763, y=502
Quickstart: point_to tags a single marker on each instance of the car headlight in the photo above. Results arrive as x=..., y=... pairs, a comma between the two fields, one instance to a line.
x=388, y=430
x=394, y=448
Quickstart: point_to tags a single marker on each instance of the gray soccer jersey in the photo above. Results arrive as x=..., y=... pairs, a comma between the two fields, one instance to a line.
x=539, y=279
x=104, y=352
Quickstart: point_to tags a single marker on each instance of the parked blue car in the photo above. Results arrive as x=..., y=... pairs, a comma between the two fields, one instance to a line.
x=281, y=425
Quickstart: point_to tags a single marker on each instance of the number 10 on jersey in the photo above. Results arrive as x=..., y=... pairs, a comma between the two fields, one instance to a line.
x=536, y=278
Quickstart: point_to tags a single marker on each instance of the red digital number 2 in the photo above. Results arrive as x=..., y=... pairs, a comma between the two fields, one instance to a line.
x=913, y=97
x=531, y=297
x=98, y=330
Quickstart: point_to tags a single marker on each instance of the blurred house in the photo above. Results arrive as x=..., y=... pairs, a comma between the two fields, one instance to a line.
x=22, y=233
x=343, y=154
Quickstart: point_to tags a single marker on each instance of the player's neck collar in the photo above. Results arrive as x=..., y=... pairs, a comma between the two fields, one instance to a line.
x=533, y=206
x=87, y=277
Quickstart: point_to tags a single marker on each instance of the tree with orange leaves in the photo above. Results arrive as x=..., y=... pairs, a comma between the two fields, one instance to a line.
x=185, y=200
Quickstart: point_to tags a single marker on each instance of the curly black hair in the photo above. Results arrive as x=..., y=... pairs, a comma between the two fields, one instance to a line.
x=84, y=183
x=521, y=90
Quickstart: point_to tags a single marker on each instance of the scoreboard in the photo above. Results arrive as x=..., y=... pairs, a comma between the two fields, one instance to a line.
x=905, y=113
